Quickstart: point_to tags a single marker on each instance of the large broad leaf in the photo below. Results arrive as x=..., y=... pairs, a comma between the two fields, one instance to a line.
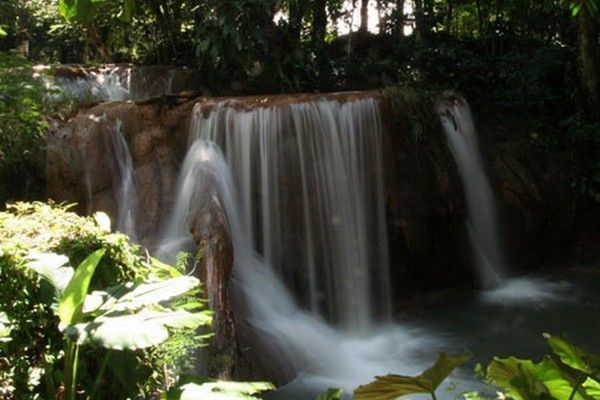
x=391, y=387
x=222, y=390
x=79, y=10
x=525, y=380
x=138, y=331
x=573, y=356
x=592, y=388
x=53, y=269
x=150, y=293
x=71, y=302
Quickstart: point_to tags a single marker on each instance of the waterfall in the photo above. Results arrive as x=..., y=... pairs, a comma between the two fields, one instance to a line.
x=126, y=192
x=460, y=130
x=103, y=84
x=123, y=183
x=311, y=185
x=321, y=355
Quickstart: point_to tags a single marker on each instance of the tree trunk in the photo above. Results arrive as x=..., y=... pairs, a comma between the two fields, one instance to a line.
x=296, y=15
x=319, y=30
x=449, y=16
x=400, y=17
x=588, y=64
x=419, y=20
x=364, y=15
x=480, y=16
x=98, y=43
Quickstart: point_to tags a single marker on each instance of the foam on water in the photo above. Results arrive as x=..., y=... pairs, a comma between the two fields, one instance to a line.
x=525, y=290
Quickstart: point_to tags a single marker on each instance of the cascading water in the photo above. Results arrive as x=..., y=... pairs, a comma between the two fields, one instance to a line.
x=459, y=127
x=123, y=183
x=127, y=193
x=104, y=84
x=332, y=146
x=310, y=175
x=460, y=130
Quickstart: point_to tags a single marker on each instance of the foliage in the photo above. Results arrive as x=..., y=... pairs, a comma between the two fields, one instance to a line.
x=391, y=387
x=125, y=317
x=22, y=130
x=569, y=373
x=219, y=390
x=412, y=110
x=31, y=363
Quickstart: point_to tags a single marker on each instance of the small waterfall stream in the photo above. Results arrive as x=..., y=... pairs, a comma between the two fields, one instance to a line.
x=104, y=84
x=124, y=189
x=126, y=192
x=460, y=130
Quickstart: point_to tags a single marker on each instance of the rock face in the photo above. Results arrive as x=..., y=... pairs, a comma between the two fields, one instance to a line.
x=81, y=162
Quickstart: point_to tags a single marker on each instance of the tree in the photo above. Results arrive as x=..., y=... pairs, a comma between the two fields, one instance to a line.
x=587, y=15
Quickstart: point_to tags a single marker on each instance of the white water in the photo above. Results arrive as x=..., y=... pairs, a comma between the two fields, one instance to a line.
x=332, y=144
x=310, y=177
x=104, y=84
x=320, y=354
x=482, y=223
x=126, y=191
x=115, y=83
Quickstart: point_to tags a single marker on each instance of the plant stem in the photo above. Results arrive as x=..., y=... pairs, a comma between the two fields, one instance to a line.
x=71, y=366
x=100, y=375
x=75, y=370
x=433, y=396
x=67, y=367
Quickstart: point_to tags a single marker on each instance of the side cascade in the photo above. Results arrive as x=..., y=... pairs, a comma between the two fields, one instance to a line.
x=459, y=127
x=124, y=188
x=104, y=84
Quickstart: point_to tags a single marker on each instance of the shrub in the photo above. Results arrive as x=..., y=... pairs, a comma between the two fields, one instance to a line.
x=31, y=356
x=22, y=130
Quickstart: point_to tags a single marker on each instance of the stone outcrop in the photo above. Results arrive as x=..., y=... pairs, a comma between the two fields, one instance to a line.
x=81, y=163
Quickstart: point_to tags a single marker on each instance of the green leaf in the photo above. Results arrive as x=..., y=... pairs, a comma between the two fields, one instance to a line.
x=127, y=10
x=71, y=303
x=82, y=11
x=52, y=268
x=222, y=390
x=138, y=331
x=5, y=328
x=573, y=356
x=2, y=32
x=393, y=386
x=151, y=293
x=331, y=394
x=592, y=388
x=525, y=380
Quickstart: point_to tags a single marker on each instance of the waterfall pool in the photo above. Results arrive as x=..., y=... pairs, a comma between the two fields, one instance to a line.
x=480, y=323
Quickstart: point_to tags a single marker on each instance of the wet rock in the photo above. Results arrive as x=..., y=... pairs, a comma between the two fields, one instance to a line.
x=210, y=229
